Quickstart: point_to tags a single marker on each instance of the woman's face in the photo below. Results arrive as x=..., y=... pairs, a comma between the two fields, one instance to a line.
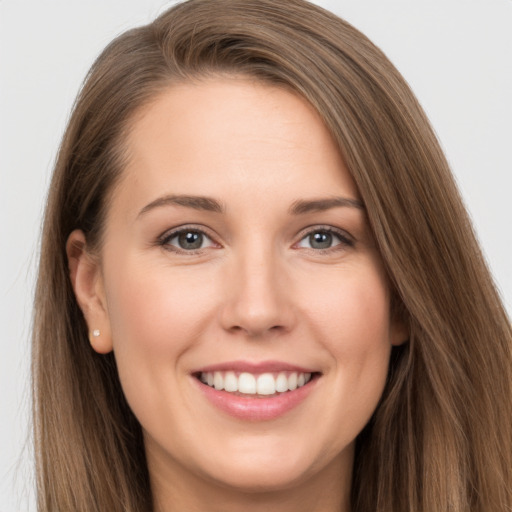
x=237, y=252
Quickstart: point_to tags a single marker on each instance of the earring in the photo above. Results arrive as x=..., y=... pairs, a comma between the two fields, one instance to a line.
x=94, y=334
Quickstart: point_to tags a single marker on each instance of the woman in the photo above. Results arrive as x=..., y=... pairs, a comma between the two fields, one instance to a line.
x=258, y=286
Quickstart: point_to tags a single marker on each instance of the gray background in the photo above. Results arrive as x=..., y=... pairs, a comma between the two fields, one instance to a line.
x=456, y=54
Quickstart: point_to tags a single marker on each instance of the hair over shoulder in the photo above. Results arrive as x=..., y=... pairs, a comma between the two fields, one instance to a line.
x=441, y=437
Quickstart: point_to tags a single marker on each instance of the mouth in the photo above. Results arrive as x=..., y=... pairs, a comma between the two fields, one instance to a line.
x=255, y=385
x=256, y=392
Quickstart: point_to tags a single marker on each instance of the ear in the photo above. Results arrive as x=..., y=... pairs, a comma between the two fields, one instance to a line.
x=399, y=332
x=87, y=281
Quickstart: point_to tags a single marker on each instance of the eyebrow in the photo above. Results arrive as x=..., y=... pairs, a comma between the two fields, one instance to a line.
x=196, y=202
x=301, y=207
x=209, y=204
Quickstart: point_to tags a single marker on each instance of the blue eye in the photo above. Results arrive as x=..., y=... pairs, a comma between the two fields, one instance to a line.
x=188, y=240
x=323, y=239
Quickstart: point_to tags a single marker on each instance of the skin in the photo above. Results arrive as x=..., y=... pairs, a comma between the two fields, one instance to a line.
x=258, y=289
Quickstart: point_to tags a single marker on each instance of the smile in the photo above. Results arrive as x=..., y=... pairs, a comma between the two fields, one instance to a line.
x=256, y=391
x=264, y=384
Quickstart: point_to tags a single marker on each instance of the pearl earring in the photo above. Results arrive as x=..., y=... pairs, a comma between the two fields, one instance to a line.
x=93, y=334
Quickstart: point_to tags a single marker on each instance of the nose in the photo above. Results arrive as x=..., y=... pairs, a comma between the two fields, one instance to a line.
x=259, y=295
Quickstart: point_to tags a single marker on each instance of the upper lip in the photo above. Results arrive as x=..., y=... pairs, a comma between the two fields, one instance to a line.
x=254, y=367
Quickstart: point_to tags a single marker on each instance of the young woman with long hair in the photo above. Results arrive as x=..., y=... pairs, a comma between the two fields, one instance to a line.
x=259, y=288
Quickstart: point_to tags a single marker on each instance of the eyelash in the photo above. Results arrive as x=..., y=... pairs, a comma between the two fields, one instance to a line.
x=345, y=240
x=166, y=238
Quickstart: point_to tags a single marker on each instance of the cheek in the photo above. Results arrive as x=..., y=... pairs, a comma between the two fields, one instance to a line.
x=354, y=323
x=156, y=315
x=352, y=307
x=157, y=309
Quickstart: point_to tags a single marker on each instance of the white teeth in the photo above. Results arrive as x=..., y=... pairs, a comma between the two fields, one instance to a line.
x=247, y=384
x=292, y=381
x=282, y=383
x=266, y=385
x=263, y=384
x=218, y=381
x=230, y=382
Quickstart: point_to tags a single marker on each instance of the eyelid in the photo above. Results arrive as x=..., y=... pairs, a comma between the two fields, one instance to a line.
x=164, y=238
x=346, y=239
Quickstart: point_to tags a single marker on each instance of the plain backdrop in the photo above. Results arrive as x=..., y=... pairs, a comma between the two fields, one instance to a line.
x=456, y=55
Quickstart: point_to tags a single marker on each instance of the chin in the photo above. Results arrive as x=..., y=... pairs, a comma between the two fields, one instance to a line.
x=259, y=479
x=264, y=474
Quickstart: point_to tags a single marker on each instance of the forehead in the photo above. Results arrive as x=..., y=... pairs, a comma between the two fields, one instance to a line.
x=216, y=136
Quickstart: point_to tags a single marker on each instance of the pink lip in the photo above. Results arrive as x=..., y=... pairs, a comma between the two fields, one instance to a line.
x=254, y=408
x=252, y=367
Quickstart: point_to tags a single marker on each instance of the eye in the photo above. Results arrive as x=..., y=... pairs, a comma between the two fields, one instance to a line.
x=187, y=239
x=324, y=239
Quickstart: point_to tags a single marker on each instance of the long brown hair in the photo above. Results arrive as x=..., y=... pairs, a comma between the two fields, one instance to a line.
x=441, y=437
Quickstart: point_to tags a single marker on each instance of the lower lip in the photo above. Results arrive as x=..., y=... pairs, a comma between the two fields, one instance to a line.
x=256, y=409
